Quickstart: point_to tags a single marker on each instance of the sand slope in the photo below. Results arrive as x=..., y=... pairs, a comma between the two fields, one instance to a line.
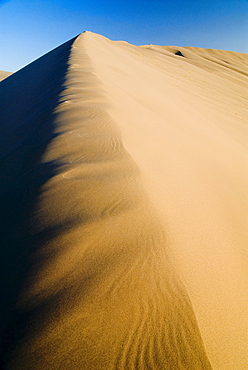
x=4, y=75
x=184, y=121
x=123, y=187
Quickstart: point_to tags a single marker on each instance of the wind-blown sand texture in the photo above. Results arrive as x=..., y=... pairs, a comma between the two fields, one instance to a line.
x=124, y=209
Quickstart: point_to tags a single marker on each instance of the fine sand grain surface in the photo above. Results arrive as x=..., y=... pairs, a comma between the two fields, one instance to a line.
x=124, y=209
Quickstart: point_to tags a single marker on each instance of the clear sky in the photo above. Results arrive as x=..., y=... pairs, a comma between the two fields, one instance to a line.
x=30, y=28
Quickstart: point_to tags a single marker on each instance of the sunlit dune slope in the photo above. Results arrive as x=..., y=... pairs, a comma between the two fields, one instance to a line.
x=4, y=74
x=124, y=209
x=184, y=121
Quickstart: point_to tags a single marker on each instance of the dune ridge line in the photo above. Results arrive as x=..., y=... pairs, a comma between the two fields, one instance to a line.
x=97, y=289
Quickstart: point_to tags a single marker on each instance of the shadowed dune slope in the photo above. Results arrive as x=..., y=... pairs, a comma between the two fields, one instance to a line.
x=28, y=99
x=87, y=282
x=123, y=188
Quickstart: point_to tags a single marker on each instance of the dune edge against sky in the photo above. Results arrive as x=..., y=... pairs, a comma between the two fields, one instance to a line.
x=83, y=125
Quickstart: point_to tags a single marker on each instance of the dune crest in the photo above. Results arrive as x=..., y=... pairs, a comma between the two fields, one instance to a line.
x=4, y=75
x=184, y=122
x=100, y=208
x=97, y=290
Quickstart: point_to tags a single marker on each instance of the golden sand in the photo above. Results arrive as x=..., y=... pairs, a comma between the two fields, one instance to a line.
x=4, y=75
x=124, y=209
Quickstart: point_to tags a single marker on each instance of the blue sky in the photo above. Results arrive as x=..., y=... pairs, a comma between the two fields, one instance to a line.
x=30, y=28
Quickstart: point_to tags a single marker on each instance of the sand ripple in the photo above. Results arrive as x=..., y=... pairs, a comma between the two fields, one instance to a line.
x=99, y=291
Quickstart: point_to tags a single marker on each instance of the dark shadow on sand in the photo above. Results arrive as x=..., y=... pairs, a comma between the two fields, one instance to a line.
x=27, y=126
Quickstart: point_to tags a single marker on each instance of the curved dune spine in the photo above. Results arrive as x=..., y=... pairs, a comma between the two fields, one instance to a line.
x=99, y=291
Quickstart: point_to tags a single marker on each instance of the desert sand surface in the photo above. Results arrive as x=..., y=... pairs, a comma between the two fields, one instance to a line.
x=124, y=208
x=4, y=75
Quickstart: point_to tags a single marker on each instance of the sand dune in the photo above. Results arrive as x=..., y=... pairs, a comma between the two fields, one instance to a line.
x=124, y=209
x=4, y=75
